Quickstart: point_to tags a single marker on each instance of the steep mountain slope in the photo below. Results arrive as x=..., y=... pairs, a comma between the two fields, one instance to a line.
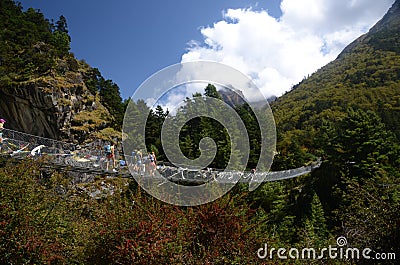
x=366, y=75
x=44, y=89
x=348, y=113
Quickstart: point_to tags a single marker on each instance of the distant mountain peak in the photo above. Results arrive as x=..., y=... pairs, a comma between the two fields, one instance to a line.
x=232, y=97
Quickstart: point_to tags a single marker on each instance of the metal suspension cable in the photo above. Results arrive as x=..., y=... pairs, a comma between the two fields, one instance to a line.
x=67, y=156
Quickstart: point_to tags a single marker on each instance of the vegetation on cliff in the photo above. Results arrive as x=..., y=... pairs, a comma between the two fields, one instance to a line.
x=35, y=57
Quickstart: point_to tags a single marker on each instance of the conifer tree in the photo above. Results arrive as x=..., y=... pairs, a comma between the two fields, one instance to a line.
x=211, y=91
x=363, y=145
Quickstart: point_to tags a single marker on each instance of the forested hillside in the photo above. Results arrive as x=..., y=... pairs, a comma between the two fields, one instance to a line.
x=348, y=113
x=365, y=76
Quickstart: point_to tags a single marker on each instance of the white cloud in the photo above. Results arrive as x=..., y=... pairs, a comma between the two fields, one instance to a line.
x=278, y=52
x=175, y=97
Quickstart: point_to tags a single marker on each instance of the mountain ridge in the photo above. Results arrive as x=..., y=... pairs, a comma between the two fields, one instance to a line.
x=387, y=25
x=364, y=77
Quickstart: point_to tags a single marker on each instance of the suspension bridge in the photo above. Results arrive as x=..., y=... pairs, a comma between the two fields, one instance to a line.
x=91, y=159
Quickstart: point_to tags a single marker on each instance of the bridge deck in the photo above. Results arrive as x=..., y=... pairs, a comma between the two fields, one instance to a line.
x=91, y=160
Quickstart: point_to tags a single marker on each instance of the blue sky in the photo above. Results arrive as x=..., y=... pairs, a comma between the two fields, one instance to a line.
x=274, y=42
x=130, y=40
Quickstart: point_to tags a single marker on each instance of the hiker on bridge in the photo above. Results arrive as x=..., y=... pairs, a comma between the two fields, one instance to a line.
x=2, y=121
x=152, y=163
x=110, y=154
x=135, y=157
x=139, y=162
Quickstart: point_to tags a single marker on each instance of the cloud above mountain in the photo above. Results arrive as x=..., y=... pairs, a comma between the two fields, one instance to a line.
x=277, y=53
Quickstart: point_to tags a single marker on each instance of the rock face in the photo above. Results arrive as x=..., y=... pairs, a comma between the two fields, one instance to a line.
x=53, y=106
x=232, y=97
x=30, y=110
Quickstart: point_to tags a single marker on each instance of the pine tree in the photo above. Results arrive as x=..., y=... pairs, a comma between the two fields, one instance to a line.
x=314, y=232
x=211, y=91
x=363, y=145
x=61, y=25
x=111, y=98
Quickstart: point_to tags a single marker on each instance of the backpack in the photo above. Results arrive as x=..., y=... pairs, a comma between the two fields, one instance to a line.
x=107, y=148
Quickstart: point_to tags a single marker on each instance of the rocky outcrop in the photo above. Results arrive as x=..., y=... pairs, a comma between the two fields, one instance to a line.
x=54, y=106
x=30, y=110
x=232, y=97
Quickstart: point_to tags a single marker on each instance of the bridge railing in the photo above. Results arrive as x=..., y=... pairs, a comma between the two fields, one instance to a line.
x=20, y=137
x=92, y=156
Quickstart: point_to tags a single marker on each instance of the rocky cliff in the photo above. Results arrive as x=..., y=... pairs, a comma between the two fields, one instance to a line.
x=44, y=89
x=57, y=106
